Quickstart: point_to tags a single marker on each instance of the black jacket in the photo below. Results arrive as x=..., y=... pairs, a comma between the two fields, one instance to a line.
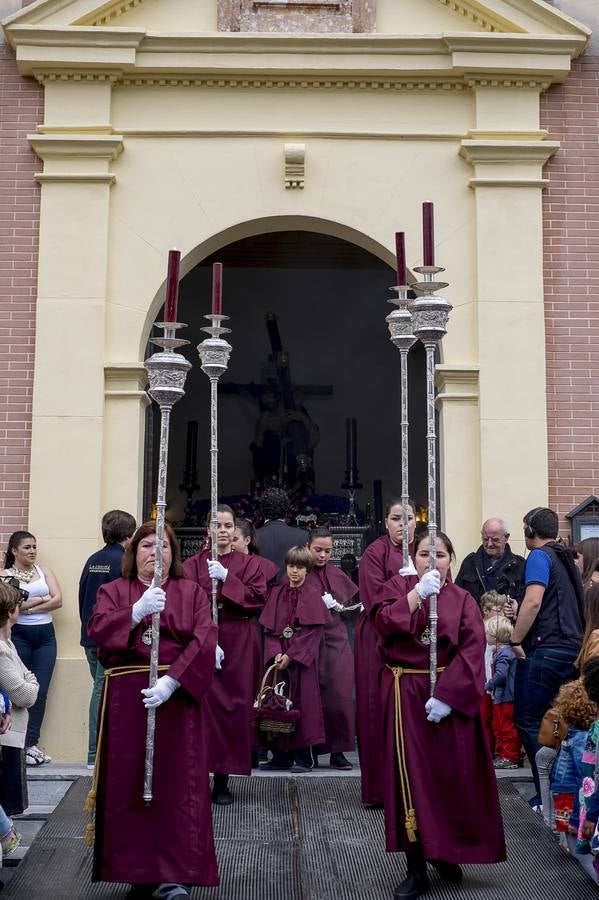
x=101, y=567
x=509, y=575
x=275, y=538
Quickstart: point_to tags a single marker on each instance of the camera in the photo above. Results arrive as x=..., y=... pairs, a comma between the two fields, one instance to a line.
x=15, y=583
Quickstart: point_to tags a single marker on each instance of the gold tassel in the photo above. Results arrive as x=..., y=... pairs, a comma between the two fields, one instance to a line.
x=90, y=834
x=411, y=825
x=90, y=803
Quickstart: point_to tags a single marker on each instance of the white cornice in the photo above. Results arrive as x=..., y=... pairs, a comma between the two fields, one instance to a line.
x=58, y=146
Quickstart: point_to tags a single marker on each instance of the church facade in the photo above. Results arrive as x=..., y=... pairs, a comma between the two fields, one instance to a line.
x=153, y=124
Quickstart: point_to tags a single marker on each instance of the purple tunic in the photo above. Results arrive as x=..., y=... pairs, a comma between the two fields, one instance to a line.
x=130, y=844
x=449, y=766
x=381, y=561
x=336, y=664
x=229, y=702
x=302, y=609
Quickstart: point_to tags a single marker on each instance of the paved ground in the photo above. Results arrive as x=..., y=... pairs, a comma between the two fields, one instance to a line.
x=294, y=838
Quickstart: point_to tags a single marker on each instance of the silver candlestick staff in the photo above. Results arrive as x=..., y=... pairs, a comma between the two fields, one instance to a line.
x=214, y=353
x=430, y=315
x=167, y=372
x=401, y=335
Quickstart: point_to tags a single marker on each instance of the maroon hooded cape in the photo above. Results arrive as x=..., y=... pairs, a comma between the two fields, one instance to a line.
x=171, y=840
x=336, y=663
x=381, y=561
x=302, y=609
x=227, y=710
x=449, y=765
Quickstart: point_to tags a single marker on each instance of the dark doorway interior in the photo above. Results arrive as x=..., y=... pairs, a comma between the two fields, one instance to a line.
x=329, y=298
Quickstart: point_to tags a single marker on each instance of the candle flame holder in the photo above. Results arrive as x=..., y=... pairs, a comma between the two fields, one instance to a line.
x=167, y=372
x=214, y=354
x=430, y=315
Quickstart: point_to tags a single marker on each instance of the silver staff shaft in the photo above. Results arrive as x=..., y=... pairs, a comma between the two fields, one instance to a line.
x=400, y=330
x=214, y=486
x=214, y=354
x=167, y=372
x=165, y=415
x=430, y=315
x=431, y=452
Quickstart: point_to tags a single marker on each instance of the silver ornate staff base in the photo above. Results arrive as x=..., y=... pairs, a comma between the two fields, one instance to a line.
x=401, y=335
x=214, y=353
x=430, y=315
x=167, y=372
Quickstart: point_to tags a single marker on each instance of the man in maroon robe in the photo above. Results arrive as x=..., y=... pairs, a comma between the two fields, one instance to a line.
x=437, y=762
x=170, y=842
x=336, y=662
x=293, y=621
x=228, y=704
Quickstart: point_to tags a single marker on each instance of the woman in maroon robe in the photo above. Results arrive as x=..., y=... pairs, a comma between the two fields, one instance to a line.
x=228, y=706
x=336, y=663
x=382, y=560
x=293, y=621
x=441, y=802
x=169, y=842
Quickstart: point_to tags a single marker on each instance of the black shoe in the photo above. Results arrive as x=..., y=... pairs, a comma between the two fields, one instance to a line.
x=299, y=767
x=413, y=885
x=376, y=805
x=450, y=872
x=339, y=761
x=140, y=891
x=221, y=795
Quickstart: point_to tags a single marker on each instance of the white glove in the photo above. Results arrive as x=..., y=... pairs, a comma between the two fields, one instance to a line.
x=410, y=569
x=217, y=570
x=329, y=601
x=430, y=583
x=151, y=601
x=160, y=693
x=436, y=709
x=220, y=655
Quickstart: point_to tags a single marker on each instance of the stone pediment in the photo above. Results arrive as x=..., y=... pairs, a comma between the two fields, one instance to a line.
x=398, y=17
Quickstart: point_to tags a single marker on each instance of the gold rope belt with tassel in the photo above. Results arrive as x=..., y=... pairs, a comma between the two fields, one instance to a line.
x=90, y=803
x=406, y=792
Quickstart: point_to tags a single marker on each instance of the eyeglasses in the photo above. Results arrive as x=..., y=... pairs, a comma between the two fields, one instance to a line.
x=491, y=540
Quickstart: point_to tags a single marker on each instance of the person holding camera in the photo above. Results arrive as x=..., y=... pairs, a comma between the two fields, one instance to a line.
x=33, y=634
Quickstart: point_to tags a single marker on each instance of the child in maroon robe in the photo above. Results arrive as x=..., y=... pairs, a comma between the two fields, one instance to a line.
x=336, y=665
x=228, y=705
x=293, y=620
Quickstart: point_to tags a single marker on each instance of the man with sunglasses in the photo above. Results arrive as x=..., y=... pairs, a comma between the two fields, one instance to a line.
x=493, y=566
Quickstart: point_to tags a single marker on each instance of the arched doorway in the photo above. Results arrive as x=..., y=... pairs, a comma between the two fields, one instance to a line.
x=329, y=299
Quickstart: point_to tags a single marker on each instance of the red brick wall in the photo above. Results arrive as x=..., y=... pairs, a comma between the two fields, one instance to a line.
x=571, y=253
x=21, y=109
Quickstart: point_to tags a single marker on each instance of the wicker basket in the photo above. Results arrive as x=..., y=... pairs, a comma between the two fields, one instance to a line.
x=273, y=721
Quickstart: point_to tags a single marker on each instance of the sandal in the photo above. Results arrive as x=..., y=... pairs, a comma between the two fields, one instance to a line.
x=35, y=757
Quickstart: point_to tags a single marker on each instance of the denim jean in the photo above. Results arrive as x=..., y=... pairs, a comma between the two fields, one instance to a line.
x=36, y=645
x=538, y=680
x=5, y=823
x=545, y=759
x=97, y=673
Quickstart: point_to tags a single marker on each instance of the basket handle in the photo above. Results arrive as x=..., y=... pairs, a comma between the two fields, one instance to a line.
x=264, y=686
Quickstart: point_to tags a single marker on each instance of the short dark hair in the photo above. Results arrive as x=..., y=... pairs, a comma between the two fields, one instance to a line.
x=440, y=536
x=13, y=542
x=9, y=600
x=222, y=508
x=590, y=677
x=543, y=521
x=117, y=526
x=319, y=532
x=129, y=564
x=274, y=503
x=299, y=556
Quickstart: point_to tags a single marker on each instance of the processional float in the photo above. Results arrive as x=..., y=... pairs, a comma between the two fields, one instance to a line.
x=423, y=318
x=167, y=371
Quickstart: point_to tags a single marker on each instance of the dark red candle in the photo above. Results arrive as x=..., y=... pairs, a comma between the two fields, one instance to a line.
x=428, y=234
x=172, y=286
x=400, y=253
x=217, y=289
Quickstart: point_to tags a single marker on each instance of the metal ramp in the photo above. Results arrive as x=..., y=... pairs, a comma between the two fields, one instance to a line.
x=303, y=838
